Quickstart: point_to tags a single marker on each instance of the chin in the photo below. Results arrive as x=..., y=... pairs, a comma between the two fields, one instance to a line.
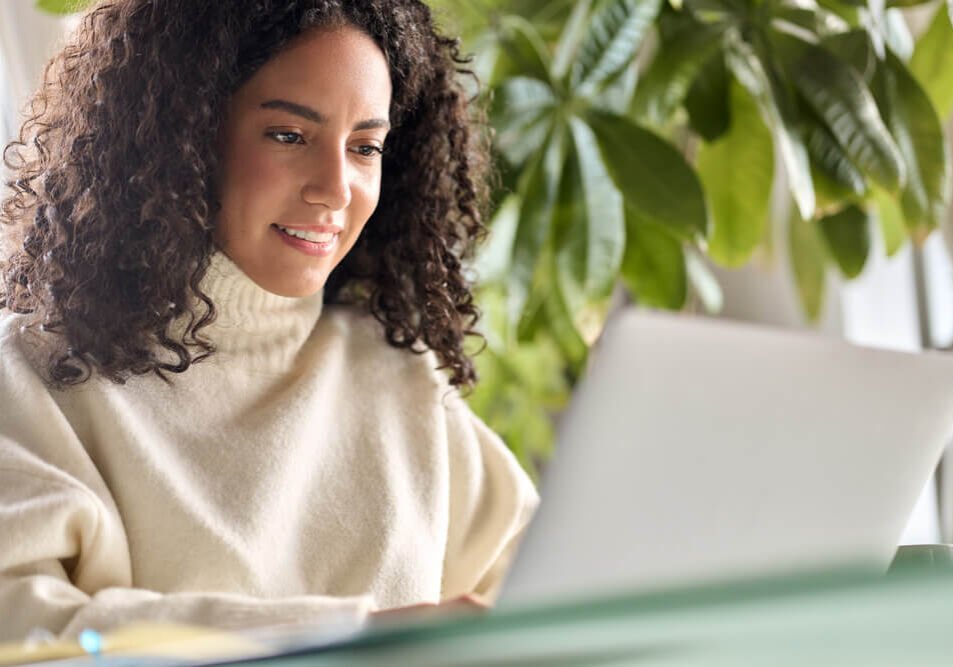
x=281, y=278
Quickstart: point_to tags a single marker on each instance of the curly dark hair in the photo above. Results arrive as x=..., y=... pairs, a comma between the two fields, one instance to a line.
x=114, y=204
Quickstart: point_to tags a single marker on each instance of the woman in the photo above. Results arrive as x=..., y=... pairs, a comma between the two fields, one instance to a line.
x=234, y=323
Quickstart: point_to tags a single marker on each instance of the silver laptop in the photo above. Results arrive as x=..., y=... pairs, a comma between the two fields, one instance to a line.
x=696, y=450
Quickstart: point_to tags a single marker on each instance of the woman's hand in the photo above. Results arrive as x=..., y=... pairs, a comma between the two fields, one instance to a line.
x=464, y=604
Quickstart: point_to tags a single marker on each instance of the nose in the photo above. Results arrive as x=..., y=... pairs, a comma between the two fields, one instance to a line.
x=328, y=183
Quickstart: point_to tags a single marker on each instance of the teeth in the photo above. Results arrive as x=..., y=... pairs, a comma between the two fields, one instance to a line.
x=314, y=237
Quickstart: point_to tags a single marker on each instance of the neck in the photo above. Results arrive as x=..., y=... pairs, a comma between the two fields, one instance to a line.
x=251, y=322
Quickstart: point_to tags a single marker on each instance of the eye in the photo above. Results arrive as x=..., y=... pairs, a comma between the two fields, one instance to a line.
x=368, y=150
x=286, y=137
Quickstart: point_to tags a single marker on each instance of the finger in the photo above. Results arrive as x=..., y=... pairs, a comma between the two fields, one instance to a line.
x=476, y=599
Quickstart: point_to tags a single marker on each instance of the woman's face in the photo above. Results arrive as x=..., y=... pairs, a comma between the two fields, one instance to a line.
x=302, y=159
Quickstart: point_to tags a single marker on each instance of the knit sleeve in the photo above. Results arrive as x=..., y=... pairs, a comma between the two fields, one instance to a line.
x=62, y=569
x=64, y=557
x=491, y=502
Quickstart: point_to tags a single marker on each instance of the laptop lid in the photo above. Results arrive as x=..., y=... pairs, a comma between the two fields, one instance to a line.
x=697, y=449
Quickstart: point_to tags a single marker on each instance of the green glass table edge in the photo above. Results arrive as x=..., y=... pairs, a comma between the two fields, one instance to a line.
x=923, y=556
x=843, y=580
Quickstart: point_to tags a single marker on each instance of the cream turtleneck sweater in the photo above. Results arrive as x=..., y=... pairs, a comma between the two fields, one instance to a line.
x=306, y=471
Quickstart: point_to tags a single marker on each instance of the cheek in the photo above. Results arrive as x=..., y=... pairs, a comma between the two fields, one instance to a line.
x=366, y=195
x=254, y=183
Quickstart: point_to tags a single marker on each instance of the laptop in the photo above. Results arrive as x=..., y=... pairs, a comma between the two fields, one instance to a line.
x=696, y=450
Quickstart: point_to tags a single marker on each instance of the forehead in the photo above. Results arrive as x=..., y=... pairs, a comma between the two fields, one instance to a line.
x=341, y=64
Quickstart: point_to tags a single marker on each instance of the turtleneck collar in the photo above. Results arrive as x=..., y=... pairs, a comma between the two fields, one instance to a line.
x=264, y=328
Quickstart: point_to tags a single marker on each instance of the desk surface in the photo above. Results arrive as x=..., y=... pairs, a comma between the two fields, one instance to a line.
x=839, y=618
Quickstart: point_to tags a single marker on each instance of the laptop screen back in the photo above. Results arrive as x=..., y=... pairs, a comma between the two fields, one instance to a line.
x=697, y=449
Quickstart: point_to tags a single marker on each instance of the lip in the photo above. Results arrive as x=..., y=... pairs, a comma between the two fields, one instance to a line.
x=309, y=247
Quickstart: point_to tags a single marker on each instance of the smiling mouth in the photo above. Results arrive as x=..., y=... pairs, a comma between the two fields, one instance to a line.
x=309, y=242
x=321, y=238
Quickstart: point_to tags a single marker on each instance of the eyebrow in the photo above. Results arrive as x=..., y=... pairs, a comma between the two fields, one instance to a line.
x=308, y=113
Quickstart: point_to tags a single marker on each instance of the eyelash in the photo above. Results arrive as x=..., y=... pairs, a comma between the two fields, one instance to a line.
x=374, y=149
x=360, y=149
x=275, y=135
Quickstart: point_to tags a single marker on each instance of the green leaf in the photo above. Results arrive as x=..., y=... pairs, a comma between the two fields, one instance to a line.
x=486, y=58
x=873, y=22
x=532, y=321
x=848, y=11
x=589, y=251
x=855, y=49
x=539, y=196
x=62, y=6
x=523, y=51
x=808, y=262
x=603, y=237
x=838, y=94
x=897, y=34
x=493, y=257
x=570, y=38
x=818, y=21
x=708, y=102
x=890, y=219
x=737, y=172
x=587, y=316
x=560, y=325
x=913, y=121
x=831, y=195
x=617, y=95
x=831, y=159
x=569, y=263
x=670, y=22
x=654, y=264
x=932, y=62
x=589, y=235
x=714, y=11
x=615, y=33
x=522, y=115
x=675, y=66
x=540, y=12
x=847, y=234
x=653, y=177
x=763, y=84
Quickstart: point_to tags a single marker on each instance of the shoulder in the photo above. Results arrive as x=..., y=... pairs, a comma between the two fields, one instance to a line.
x=420, y=385
x=419, y=379
x=479, y=456
x=10, y=330
x=22, y=350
